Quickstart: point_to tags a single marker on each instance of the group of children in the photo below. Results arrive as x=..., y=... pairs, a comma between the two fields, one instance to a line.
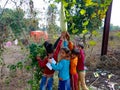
x=70, y=65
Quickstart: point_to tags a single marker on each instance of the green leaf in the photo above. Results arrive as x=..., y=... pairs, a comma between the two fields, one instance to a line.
x=85, y=23
x=75, y=31
x=28, y=68
x=88, y=3
x=57, y=1
x=85, y=31
x=73, y=25
x=93, y=15
x=19, y=65
x=12, y=67
x=65, y=4
x=82, y=11
x=30, y=81
x=92, y=43
x=74, y=1
x=95, y=33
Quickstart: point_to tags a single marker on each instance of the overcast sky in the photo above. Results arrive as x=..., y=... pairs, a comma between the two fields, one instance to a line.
x=115, y=16
x=39, y=4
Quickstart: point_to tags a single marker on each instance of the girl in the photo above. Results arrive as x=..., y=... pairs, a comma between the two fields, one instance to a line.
x=47, y=77
x=73, y=62
x=73, y=71
x=63, y=68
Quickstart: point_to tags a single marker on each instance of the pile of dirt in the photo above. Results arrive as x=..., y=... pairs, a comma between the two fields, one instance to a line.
x=111, y=62
x=103, y=72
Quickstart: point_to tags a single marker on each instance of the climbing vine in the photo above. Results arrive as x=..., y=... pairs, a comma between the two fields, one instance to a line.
x=36, y=50
x=32, y=67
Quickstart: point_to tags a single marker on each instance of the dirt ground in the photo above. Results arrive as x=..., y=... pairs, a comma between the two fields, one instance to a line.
x=12, y=80
x=104, y=72
x=101, y=74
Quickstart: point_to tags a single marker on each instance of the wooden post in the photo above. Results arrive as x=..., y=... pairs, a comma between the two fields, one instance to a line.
x=106, y=31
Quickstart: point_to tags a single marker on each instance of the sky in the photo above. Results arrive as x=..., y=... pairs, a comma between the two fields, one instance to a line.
x=115, y=14
x=39, y=4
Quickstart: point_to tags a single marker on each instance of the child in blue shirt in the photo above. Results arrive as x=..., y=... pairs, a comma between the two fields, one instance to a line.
x=63, y=67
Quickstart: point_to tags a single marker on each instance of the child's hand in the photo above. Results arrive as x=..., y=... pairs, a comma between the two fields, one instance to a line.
x=67, y=36
x=63, y=34
x=50, y=60
x=38, y=58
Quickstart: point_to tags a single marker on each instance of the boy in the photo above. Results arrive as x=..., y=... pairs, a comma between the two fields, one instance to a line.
x=81, y=69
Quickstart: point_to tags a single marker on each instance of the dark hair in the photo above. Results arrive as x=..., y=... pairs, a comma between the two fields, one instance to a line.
x=49, y=47
x=75, y=51
x=67, y=51
x=81, y=45
x=45, y=44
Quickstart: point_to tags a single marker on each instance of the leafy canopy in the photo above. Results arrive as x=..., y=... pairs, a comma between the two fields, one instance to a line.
x=84, y=15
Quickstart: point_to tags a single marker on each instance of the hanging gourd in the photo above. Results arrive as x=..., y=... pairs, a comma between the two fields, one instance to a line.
x=63, y=24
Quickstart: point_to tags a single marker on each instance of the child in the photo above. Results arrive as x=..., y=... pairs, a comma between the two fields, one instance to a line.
x=73, y=71
x=63, y=68
x=47, y=77
x=73, y=62
x=81, y=69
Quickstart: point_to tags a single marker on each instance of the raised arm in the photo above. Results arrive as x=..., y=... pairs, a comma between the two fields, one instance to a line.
x=56, y=43
x=57, y=49
x=70, y=45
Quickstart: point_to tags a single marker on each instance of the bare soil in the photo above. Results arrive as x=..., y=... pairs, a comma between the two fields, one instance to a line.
x=107, y=68
x=12, y=80
x=103, y=66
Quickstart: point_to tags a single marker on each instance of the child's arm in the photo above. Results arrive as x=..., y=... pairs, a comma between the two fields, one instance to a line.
x=57, y=49
x=70, y=45
x=59, y=45
x=65, y=44
x=56, y=67
x=42, y=63
x=56, y=43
